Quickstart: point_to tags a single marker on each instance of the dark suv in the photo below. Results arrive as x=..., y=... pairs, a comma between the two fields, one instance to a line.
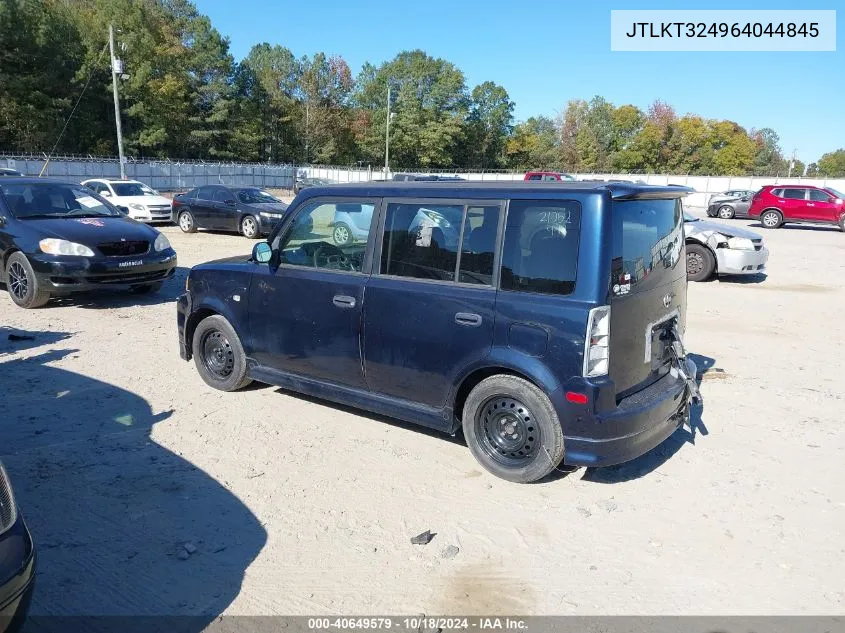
x=543, y=319
x=776, y=205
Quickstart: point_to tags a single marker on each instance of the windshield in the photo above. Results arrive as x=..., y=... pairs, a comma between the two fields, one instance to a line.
x=255, y=196
x=54, y=200
x=835, y=192
x=132, y=189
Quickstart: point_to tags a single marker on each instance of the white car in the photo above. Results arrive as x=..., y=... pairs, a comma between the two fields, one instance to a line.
x=139, y=201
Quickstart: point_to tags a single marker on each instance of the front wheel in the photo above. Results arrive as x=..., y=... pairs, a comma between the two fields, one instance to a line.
x=771, y=219
x=512, y=429
x=249, y=227
x=700, y=263
x=842, y=223
x=726, y=212
x=186, y=222
x=22, y=284
x=219, y=355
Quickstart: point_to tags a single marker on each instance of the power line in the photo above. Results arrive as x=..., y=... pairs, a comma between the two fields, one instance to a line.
x=70, y=116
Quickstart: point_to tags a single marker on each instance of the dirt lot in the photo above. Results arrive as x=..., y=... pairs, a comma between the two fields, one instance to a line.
x=148, y=492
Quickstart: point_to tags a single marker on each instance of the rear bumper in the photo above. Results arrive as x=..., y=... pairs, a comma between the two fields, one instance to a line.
x=64, y=275
x=638, y=424
x=17, y=576
x=735, y=262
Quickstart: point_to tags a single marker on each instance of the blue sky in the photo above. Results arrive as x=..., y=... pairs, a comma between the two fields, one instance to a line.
x=547, y=53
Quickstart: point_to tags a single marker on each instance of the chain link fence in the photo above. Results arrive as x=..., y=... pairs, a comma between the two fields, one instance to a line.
x=181, y=175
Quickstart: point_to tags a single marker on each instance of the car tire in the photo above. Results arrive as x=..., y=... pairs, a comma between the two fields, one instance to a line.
x=726, y=212
x=701, y=264
x=22, y=284
x=512, y=429
x=146, y=289
x=342, y=234
x=249, y=227
x=186, y=222
x=771, y=219
x=842, y=223
x=219, y=355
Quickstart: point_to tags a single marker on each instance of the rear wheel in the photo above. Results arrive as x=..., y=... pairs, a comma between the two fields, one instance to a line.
x=842, y=223
x=700, y=263
x=22, y=284
x=186, y=222
x=219, y=355
x=249, y=227
x=512, y=429
x=342, y=235
x=726, y=212
x=771, y=218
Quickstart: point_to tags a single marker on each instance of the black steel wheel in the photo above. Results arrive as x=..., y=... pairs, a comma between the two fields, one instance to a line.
x=512, y=429
x=22, y=284
x=507, y=432
x=219, y=355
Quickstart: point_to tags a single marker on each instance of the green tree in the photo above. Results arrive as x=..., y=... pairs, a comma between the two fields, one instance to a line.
x=533, y=145
x=490, y=122
x=832, y=164
x=431, y=108
x=325, y=88
x=768, y=159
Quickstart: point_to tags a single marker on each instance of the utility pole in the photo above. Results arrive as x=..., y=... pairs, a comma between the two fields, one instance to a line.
x=116, y=69
x=387, y=137
x=792, y=163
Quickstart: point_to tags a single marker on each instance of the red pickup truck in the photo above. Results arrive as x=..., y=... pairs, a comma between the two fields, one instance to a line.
x=548, y=176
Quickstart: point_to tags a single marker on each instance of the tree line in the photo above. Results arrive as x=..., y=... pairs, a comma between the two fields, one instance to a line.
x=187, y=97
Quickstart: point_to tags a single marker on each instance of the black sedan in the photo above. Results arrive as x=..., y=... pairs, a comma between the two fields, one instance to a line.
x=17, y=561
x=249, y=211
x=57, y=238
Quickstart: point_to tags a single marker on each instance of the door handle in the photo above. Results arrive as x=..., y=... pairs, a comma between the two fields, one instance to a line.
x=468, y=318
x=344, y=301
x=811, y=204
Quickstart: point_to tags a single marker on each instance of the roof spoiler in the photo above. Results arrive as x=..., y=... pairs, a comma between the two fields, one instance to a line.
x=652, y=192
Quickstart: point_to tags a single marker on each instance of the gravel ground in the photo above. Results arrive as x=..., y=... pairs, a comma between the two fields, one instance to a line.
x=149, y=493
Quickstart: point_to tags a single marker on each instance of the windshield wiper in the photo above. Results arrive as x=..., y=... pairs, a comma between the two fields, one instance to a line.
x=38, y=216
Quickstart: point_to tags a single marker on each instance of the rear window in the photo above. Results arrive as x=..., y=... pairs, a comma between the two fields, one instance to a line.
x=540, y=252
x=647, y=243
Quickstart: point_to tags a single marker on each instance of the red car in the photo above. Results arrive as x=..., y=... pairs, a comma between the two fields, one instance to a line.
x=776, y=205
x=548, y=176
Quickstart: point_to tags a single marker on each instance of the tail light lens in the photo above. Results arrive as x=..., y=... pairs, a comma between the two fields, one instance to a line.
x=597, y=345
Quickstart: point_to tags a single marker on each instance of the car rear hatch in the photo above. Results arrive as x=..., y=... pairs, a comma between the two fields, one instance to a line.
x=648, y=290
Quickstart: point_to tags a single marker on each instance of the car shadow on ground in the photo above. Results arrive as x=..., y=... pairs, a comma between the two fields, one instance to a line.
x=122, y=526
x=742, y=279
x=105, y=299
x=659, y=455
x=798, y=227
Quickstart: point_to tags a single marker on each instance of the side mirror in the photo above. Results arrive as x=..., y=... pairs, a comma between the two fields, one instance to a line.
x=262, y=252
x=106, y=194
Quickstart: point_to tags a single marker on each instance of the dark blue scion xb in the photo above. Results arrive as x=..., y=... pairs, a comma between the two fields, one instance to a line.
x=543, y=320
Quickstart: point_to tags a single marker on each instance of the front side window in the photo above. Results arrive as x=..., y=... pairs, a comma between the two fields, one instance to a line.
x=793, y=194
x=222, y=195
x=312, y=241
x=205, y=193
x=50, y=200
x=540, y=252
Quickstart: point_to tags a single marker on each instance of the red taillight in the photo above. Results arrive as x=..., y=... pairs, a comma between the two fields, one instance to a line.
x=576, y=398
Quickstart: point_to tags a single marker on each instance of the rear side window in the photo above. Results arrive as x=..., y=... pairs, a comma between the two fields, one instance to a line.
x=535, y=177
x=794, y=194
x=540, y=252
x=777, y=192
x=205, y=193
x=647, y=243
x=478, y=247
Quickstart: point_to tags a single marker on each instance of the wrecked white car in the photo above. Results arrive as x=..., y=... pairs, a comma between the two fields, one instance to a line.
x=717, y=249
